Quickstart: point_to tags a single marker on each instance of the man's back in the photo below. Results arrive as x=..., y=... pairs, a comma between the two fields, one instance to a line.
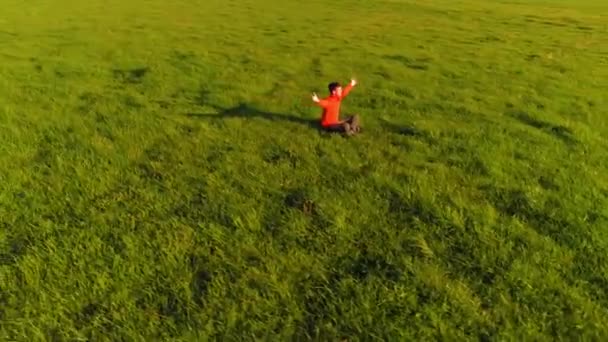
x=331, y=111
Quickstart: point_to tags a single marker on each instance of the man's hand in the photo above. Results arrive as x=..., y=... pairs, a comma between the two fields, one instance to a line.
x=353, y=82
x=315, y=98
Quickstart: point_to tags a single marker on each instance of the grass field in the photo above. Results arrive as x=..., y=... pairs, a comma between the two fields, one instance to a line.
x=160, y=178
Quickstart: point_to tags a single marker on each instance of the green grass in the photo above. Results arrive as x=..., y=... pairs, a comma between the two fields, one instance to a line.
x=159, y=179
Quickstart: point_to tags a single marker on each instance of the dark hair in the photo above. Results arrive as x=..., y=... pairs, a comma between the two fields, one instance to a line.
x=332, y=86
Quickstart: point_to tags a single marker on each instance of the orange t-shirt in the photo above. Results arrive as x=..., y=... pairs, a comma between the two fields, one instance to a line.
x=331, y=107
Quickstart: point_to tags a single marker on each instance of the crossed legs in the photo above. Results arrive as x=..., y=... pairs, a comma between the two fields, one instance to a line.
x=349, y=126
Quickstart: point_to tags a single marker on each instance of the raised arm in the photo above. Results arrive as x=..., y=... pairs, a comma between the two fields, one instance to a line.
x=348, y=88
x=318, y=101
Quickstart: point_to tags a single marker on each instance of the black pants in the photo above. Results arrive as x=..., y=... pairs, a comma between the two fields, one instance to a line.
x=349, y=126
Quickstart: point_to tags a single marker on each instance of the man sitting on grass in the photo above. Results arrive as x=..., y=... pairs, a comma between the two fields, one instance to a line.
x=330, y=120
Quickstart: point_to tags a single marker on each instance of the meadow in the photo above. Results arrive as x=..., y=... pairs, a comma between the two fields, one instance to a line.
x=162, y=178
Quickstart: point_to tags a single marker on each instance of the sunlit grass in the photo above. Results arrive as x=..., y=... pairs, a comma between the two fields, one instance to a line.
x=161, y=178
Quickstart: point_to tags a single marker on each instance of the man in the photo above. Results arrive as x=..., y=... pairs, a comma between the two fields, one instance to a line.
x=330, y=120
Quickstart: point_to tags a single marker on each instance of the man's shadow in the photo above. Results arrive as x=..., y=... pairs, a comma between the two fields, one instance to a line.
x=245, y=111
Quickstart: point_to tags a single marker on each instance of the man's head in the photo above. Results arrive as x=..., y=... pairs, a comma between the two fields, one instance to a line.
x=335, y=89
